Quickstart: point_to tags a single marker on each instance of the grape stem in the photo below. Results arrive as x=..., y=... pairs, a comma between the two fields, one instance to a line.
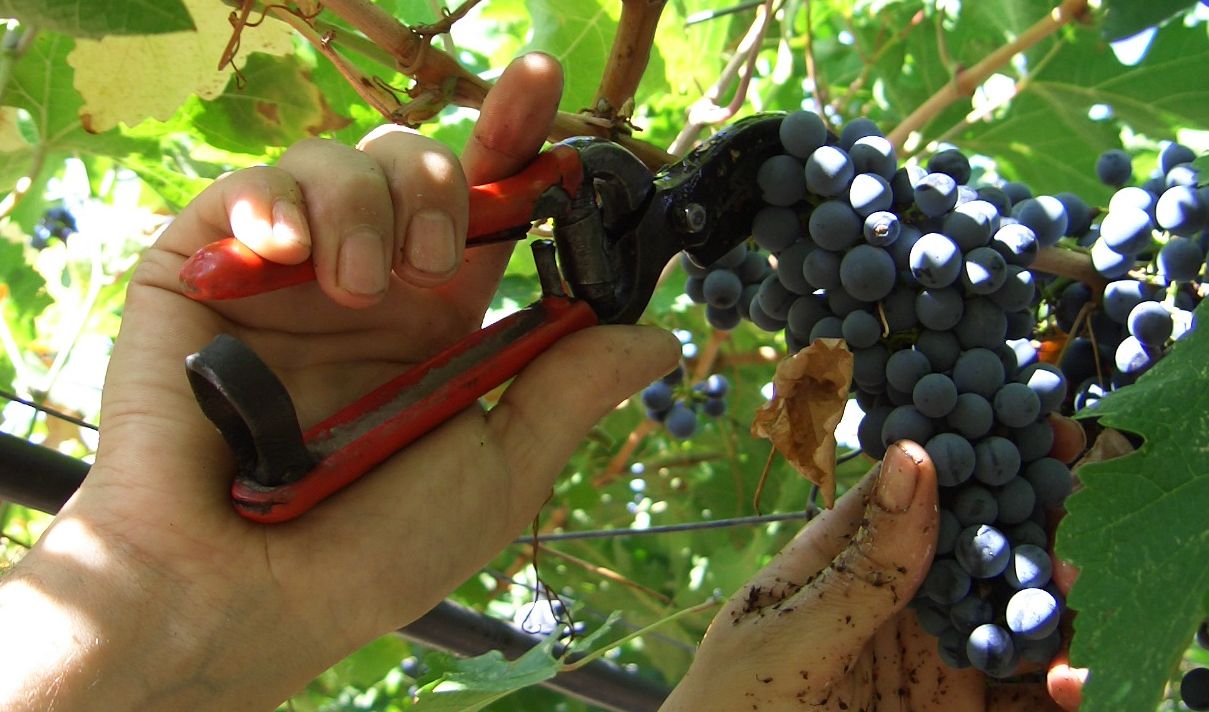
x=967, y=80
x=1069, y=263
x=709, y=604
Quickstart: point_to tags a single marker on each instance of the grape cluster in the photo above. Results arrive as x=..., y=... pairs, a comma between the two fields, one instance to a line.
x=1194, y=686
x=671, y=402
x=56, y=222
x=927, y=279
x=1151, y=244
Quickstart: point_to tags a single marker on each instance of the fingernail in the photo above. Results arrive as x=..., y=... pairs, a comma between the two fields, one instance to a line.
x=288, y=225
x=361, y=268
x=430, y=243
x=896, y=483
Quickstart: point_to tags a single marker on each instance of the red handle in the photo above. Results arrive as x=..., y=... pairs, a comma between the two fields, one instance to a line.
x=365, y=433
x=228, y=269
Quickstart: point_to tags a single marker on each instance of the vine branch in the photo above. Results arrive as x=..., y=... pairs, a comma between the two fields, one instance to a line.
x=628, y=58
x=967, y=80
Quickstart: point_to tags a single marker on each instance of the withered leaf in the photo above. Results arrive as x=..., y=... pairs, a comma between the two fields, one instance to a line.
x=811, y=390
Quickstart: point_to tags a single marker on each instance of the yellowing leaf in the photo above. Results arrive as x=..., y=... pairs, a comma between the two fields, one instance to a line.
x=10, y=134
x=811, y=390
x=128, y=79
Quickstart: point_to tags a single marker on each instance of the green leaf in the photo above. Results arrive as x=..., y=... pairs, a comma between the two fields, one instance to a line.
x=1136, y=530
x=1123, y=18
x=97, y=18
x=579, y=34
x=1046, y=138
x=477, y=682
x=370, y=664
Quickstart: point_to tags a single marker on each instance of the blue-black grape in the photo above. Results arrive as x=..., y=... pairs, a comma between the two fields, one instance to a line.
x=983, y=271
x=952, y=163
x=857, y=129
x=1015, y=501
x=1033, y=613
x=874, y=154
x=939, y=309
x=681, y=421
x=935, y=260
x=722, y=288
x=1045, y=216
x=934, y=395
x=775, y=228
x=971, y=612
x=978, y=371
x=861, y=329
x=905, y=367
x=991, y=650
x=867, y=273
x=996, y=460
x=1180, y=260
x=953, y=457
x=869, y=193
x=1182, y=210
x=802, y=132
x=974, y=504
x=1051, y=481
x=946, y=583
x=906, y=423
x=983, y=324
x=1016, y=243
x=940, y=347
x=828, y=171
x=1150, y=323
x=1047, y=382
x=1030, y=567
x=982, y=550
x=781, y=180
x=1016, y=405
x=1194, y=689
x=882, y=228
x=972, y=416
x=821, y=268
x=935, y=194
x=1126, y=231
x=834, y=225
x=1114, y=167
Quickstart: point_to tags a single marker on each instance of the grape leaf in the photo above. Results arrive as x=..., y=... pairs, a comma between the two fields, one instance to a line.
x=1137, y=532
x=1046, y=138
x=98, y=18
x=579, y=35
x=128, y=79
x=1123, y=18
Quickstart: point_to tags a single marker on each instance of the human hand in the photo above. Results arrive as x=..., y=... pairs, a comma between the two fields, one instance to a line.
x=149, y=591
x=825, y=626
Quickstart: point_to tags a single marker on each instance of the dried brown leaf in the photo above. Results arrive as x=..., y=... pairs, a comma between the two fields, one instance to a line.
x=811, y=390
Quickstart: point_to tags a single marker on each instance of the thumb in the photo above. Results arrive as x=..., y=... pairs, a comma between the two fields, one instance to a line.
x=543, y=416
x=875, y=576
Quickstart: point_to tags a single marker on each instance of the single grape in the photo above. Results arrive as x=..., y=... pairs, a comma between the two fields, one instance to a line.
x=723, y=318
x=774, y=298
x=1108, y=262
x=1134, y=197
x=935, y=260
x=970, y=612
x=1194, y=689
x=776, y=228
x=996, y=460
x=657, y=396
x=939, y=309
x=1030, y=567
x=714, y=407
x=971, y=224
x=952, y=163
x=1182, y=175
x=1016, y=243
x=1181, y=260
x=1051, y=481
x=953, y=457
x=805, y=313
x=1017, y=291
x=1150, y=323
x=903, y=184
x=882, y=228
x=781, y=180
x=1173, y=154
x=1134, y=357
x=906, y=423
x=991, y=650
x=1033, y=613
x=1078, y=214
x=996, y=197
x=1016, y=192
x=946, y=583
x=982, y=550
x=1045, y=216
x=821, y=268
x=936, y=194
x=857, y=129
x=951, y=647
x=828, y=171
x=681, y=421
x=940, y=347
x=1181, y=211
x=1047, y=382
x=1126, y=231
x=975, y=505
x=932, y=617
x=934, y=395
x=874, y=154
x=983, y=324
x=869, y=193
x=829, y=327
x=722, y=288
x=1034, y=440
x=1015, y=501
x=1114, y=168
x=869, y=432
x=861, y=329
x=802, y=132
x=867, y=272
x=905, y=367
x=983, y=271
x=869, y=366
x=972, y=416
x=789, y=267
x=834, y=225
x=899, y=309
x=1016, y=405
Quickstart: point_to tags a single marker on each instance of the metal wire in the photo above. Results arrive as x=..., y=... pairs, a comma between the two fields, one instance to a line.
x=49, y=411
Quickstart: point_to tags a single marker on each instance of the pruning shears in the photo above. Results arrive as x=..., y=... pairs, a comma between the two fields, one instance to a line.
x=615, y=227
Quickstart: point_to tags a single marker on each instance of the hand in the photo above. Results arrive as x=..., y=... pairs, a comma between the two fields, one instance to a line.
x=148, y=591
x=825, y=626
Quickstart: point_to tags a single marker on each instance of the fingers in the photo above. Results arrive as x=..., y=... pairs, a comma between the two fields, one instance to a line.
x=429, y=193
x=878, y=572
x=1065, y=683
x=514, y=122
